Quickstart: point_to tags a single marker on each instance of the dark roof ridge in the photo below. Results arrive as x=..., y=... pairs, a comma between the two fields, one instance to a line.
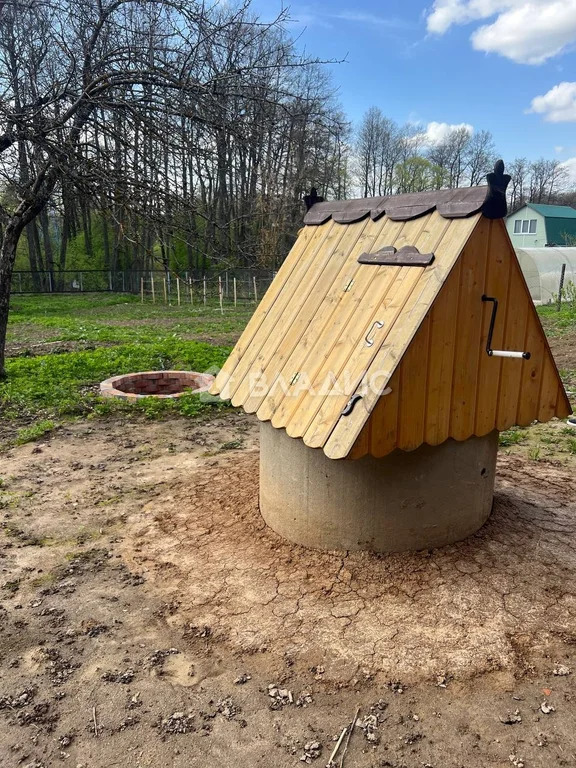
x=450, y=203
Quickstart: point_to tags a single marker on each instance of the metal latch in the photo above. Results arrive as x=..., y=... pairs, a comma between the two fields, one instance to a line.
x=369, y=338
x=349, y=407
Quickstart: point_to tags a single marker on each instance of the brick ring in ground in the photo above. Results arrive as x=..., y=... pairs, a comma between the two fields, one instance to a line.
x=159, y=384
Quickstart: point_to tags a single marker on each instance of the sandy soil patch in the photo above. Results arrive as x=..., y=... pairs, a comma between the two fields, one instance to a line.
x=148, y=614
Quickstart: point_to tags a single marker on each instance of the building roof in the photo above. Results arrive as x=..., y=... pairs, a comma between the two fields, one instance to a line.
x=553, y=211
x=450, y=204
x=332, y=321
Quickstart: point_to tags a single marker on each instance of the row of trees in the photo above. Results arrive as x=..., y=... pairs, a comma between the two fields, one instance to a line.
x=138, y=133
x=388, y=158
x=156, y=131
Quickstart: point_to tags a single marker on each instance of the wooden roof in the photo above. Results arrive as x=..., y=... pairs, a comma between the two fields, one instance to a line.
x=314, y=326
x=450, y=203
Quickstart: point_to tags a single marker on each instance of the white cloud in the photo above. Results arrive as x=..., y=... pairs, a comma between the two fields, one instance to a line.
x=558, y=105
x=526, y=31
x=435, y=133
x=570, y=166
x=369, y=18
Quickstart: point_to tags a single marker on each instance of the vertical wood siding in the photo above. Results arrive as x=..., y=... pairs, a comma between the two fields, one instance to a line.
x=446, y=385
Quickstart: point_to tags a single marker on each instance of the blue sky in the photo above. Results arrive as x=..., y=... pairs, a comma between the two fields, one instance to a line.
x=478, y=62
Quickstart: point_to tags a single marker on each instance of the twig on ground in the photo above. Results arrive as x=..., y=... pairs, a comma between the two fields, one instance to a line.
x=95, y=721
x=352, y=725
x=337, y=747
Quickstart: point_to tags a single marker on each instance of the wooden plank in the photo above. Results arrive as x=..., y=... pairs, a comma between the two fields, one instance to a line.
x=327, y=307
x=302, y=249
x=497, y=284
x=563, y=405
x=286, y=307
x=412, y=406
x=387, y=309
x=514, y=338
x=331, y=321
x=443, y=332
x=288, y=335
x=384, y=419
x=306, y=238
x=469, y=325
x=349, y=357
x=549, y=393
x=447, y=251
x=362, y=445
x=532, y=370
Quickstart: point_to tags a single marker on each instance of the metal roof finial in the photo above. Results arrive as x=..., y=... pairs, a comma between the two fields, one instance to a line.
x=312, y=198
x=495, y=205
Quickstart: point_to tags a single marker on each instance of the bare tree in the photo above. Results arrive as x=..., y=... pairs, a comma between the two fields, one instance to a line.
x=378, y=149
x=518, y=170
x=452, y=155
x=546, y=179
x=481, y=156
x=154, y=120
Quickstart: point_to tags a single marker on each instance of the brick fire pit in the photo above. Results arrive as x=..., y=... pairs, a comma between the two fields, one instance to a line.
x=161, y=384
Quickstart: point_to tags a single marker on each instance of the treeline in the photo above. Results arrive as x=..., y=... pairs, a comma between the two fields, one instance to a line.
x=147, y=136
x=196, y=149
x=390, y=159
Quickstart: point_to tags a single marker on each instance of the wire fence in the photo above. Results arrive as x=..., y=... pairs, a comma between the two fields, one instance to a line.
x=157, y=286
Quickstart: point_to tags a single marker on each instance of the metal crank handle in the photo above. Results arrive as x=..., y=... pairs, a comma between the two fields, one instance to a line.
x=499, y=352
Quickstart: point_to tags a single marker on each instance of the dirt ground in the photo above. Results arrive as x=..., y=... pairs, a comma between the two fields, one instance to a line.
x=149, y=618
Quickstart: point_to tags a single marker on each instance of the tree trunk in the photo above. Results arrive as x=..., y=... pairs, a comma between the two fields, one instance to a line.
x=12, y=233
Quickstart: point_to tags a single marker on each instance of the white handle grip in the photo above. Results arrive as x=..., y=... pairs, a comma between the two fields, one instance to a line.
x=506, y=353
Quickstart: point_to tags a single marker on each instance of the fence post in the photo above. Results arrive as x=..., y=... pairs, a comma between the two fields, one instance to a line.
x=255, y=291
x=235, y=296
x=165, y=293
x=178, y=289
x=142, y=290
x=220, y=294
x=204, y=290
x=50, y=281
x=152, y=284
x=227, y=288
x=561, y=287
x=81, y=282
x=191, y=293
x=110, y=281
x=123, y=282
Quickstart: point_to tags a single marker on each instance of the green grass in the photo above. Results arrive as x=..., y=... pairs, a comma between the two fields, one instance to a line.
x=101, y=335
x=107, y=335
x=66, y=384
x=34, y=432
x=119, y=318
x=556, y=323
x=512, y=437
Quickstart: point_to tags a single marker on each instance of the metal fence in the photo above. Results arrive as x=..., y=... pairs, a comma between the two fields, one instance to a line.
x=240, y=284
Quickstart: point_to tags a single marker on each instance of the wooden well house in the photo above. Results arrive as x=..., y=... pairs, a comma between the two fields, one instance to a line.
x=399, y=337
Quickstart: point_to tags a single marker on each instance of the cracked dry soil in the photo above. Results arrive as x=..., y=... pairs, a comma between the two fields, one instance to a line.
x=149, y=617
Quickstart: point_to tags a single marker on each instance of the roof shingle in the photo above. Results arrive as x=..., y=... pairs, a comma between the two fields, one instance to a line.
x=450, y=204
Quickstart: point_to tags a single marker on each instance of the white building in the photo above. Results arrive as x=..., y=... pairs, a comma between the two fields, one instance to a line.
x=537, y=226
